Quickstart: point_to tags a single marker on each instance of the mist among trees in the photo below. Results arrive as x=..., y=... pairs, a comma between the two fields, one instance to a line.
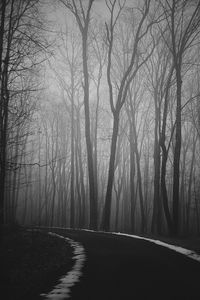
x=100, y=115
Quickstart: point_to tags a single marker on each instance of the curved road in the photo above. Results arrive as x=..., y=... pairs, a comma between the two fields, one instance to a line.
x=119, y=267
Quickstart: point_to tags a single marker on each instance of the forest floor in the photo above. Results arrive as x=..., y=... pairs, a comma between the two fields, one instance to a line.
x=32, y=262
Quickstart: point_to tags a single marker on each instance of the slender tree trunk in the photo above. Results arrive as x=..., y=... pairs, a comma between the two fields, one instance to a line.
x=164, y=190
x=14, y=181
x=165, y=156
x=143, y=218
x=72, y=199
x=189, y=193
x=78, y=188
x=177, y=152
x=132, y=179
x=95, y=141
x=137, y=154
x=80, y=162
x=46, y=180
x=39, y=177
x=117, y=209
x=53, y=196
x=196, y=199
x=92, y=189
x=156, y=219
x=53, y=170
x=182, y=187
x=111, y=170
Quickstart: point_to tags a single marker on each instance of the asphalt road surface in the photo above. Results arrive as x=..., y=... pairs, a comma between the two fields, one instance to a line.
x=119, y=267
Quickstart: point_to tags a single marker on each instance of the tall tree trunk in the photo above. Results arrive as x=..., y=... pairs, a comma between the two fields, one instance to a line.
x=189, y=193
x=196, y=199
x=39, y=187
x=182, y=186
x=165, y=156
x=95, y=140
x=53, y=196
x=177, y=152
x=139, y=176
x=111, y=171
x=132, y=179
x=92, y=188
x=72, y=199
x=80, y=163
x=156, y=218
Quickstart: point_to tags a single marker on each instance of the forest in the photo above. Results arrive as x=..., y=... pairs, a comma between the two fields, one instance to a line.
x=100, y=115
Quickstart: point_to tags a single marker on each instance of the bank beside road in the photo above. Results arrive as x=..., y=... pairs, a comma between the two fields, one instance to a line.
x=31, y=263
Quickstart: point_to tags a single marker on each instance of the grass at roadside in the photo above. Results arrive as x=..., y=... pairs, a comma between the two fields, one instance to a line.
x=190, y=242
x=30, y=263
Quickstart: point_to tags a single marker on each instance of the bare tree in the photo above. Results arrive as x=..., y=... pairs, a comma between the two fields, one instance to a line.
x=82, y=17
x=183, y=23
x=134, y=64
x=20, y=40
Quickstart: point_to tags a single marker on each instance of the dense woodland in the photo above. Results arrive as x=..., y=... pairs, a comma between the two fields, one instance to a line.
x=100, y=114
